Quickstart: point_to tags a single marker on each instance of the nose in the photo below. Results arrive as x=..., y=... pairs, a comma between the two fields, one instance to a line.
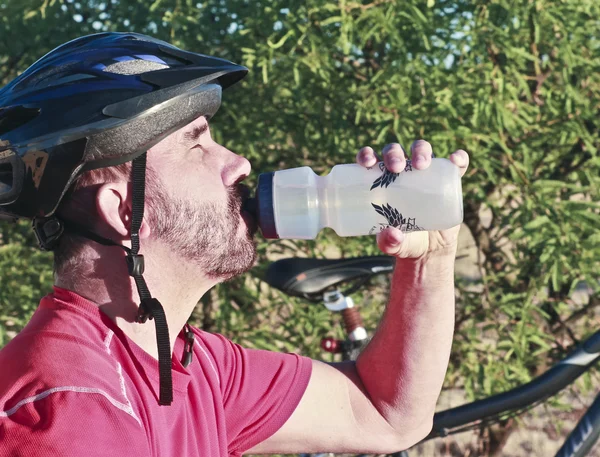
x=236, y=169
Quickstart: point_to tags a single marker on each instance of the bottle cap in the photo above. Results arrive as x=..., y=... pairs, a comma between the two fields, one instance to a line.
x=265, y=213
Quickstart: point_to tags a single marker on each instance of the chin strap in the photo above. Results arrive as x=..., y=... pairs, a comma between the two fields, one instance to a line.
x=150, y=308
x=48, y=232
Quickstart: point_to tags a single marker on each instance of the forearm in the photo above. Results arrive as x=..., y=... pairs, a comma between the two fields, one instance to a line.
x=403, y=367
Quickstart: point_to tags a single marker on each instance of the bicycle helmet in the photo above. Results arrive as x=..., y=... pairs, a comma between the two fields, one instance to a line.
x=94, y=102
x=97, y=101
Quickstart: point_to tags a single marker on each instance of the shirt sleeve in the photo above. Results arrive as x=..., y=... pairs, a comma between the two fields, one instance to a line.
x=63, y=423
x=260, y=389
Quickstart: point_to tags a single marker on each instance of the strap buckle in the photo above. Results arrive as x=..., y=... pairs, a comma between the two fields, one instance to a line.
x=135, y=264
x=145, y=311
x=48, y=231
x=188, y=348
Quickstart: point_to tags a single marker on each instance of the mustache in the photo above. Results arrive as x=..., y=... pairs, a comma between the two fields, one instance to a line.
x=238, y=195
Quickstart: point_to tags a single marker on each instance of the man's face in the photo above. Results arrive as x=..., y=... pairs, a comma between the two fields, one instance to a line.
x=195, y=202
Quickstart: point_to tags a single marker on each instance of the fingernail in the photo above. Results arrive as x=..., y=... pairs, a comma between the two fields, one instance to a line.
x=460, y=156
x=369, y=161
x=396, y=237
x=419, y=161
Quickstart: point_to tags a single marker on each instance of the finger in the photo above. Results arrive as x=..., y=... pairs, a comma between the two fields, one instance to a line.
x=460, y=158
x=390, y=240
x=366, y=157
x=394, y=157
x=421, y=153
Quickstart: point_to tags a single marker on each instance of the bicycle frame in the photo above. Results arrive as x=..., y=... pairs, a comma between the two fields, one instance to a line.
x=546, y=385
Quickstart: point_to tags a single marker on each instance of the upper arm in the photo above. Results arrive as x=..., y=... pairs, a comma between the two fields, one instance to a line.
x=336, y=415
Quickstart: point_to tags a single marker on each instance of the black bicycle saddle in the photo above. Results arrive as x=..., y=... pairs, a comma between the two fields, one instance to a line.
x=309, y=278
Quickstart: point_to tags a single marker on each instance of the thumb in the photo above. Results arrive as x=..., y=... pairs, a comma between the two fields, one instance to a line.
x=394, y=242
x=390, y=240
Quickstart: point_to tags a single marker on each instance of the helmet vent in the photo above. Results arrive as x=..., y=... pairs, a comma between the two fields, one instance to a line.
x=134, y=67
x=13, y=118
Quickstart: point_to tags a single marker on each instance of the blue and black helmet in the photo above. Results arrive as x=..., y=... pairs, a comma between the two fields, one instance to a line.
x=97, y=101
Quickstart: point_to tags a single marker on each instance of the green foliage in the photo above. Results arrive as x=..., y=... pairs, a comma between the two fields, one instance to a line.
x=515, y=83
x=25, y=275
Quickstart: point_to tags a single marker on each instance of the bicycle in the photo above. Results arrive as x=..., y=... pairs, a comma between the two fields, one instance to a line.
x=318, y=280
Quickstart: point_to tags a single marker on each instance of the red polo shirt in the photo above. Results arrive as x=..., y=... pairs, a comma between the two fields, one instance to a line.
x=72, y=384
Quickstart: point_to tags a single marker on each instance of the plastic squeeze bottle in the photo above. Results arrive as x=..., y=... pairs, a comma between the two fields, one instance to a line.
x=354, y=200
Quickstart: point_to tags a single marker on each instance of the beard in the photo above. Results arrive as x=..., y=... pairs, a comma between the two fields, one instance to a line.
x=206, y=234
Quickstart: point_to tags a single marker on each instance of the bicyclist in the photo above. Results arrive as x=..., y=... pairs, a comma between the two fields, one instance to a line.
x=105, y=144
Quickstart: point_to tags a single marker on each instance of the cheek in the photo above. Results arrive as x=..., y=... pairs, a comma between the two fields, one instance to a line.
x=196, y=177
x=202, y=187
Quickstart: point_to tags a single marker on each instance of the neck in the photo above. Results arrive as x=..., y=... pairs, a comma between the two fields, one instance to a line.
x=102, y=278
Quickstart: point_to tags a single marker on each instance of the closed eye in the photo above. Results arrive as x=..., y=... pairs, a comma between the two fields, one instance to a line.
x=199, y=146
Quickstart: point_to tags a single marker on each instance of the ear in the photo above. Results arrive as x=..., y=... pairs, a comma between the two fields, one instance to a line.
x=114, y=203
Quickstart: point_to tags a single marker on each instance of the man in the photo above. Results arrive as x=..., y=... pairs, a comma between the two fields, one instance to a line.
x=90, y=133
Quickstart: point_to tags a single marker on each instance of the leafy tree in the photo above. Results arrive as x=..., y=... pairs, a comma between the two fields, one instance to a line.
x=515, y=83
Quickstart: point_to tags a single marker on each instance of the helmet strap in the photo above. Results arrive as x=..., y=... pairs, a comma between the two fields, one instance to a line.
x=150, y=308
x=48, y=231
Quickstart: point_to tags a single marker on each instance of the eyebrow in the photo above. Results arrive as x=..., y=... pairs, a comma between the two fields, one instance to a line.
x=196, y=132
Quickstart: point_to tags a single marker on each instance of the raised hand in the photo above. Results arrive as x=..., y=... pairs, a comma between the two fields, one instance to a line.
x=393, y=241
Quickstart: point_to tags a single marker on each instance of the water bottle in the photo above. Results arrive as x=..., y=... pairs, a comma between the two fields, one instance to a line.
x=354, y=200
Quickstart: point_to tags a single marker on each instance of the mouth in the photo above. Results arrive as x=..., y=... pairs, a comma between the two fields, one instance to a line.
x=248, y=208
x=243, y=192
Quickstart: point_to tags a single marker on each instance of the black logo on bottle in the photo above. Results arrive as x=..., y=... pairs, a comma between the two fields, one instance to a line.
x=394, y=219
x=388, y=177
